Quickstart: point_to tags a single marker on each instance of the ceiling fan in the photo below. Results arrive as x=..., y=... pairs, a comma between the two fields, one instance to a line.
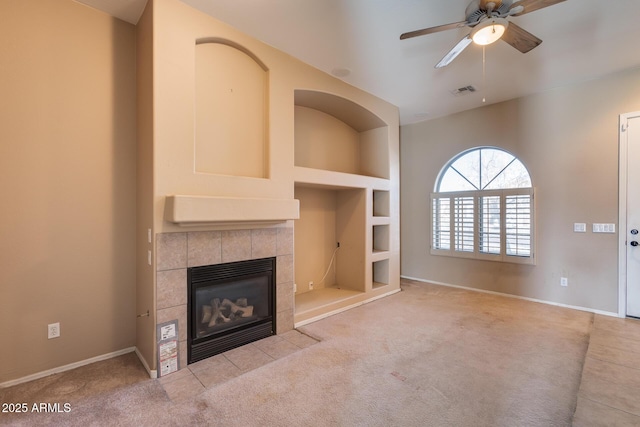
x=488, y=20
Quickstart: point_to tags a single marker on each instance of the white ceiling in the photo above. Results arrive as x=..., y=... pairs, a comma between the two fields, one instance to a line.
x=582, y=40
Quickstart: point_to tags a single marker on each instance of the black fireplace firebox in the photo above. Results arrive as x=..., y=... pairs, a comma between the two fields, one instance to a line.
x=229, y=305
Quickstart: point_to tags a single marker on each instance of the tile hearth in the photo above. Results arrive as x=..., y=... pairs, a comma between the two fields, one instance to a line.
x=177, y=251
x=205, y=374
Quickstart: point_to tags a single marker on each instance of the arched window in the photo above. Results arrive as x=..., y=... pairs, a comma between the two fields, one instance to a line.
x=482, y=207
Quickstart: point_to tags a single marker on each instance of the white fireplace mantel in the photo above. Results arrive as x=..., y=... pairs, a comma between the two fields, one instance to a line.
x=198, y=210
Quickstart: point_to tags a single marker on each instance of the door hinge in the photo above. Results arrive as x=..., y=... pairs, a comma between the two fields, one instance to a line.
x=623, y=128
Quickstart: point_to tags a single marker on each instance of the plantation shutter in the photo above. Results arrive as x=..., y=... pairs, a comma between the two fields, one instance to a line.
x=489, y=224
x=464, y=224
x=489, y=213
x=441, y=223
x=518, y=224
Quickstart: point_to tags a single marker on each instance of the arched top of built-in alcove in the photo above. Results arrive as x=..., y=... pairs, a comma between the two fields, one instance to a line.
x=231, y=110
x=349, y=112
x=238, y=46
x=336, y=134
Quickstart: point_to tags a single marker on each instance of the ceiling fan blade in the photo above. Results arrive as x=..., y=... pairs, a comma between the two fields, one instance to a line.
x=531, y=5
x=519, y=38
x=453, y=53
x=431, y=30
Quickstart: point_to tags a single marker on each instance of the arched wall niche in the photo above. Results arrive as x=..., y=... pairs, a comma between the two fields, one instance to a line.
x=345, y=110
x=336, y=134
x=231, y=110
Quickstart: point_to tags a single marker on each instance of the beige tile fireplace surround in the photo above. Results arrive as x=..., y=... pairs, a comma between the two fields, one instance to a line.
x=178, y=251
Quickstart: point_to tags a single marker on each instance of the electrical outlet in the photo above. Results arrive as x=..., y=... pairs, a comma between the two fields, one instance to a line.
x=311, y=285
x=564, y=281
x=53, y=330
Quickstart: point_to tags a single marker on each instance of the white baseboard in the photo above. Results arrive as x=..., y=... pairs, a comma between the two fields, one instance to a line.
x=573, y=307
x=152, y=373
x=68, y=367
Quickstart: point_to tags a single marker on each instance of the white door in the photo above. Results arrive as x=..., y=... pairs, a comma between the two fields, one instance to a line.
x=630, y=133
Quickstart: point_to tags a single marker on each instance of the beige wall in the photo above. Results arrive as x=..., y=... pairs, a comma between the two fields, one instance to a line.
x=231, y=118
x=145, y=273
x=70, y=169
x=324, y=142
x=568, y=139
x=176, y=29
x=67, y=177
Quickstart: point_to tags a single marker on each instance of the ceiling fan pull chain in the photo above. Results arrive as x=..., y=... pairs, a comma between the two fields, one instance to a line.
x=484, y=79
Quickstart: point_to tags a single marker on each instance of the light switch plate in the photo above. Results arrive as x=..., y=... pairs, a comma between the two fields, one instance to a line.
x=604, y=228
x=580, y=227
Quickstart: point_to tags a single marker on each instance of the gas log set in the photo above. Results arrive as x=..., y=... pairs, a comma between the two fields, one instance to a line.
x=226, y=311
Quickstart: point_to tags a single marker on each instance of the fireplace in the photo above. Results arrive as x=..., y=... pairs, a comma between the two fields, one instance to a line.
x=229, y=305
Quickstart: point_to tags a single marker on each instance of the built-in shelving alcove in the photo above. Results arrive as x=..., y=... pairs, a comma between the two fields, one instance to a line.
x=336, y=134
x=342, y=181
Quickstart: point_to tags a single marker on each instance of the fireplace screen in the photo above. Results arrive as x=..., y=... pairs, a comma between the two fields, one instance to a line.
x=229, y=305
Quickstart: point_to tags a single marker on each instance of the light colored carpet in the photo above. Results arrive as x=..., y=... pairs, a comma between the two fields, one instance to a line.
x=427, y=356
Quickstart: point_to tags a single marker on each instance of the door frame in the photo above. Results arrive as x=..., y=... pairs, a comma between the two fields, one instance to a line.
x=622, y=210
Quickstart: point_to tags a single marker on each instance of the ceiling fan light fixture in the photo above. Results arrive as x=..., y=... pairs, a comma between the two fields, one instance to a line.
x=489, y=31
